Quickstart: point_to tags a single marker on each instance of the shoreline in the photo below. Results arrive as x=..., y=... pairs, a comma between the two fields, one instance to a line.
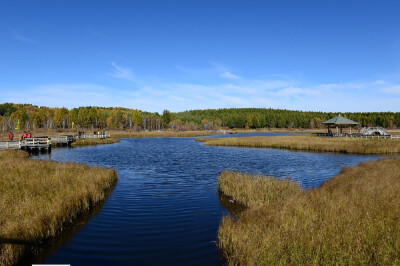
x=169, y=133
x=93, y=142
x=160, y=134
x=41, y=198
x=311, y=144
x=340, y=222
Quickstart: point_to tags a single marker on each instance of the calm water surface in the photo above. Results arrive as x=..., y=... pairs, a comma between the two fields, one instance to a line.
x=165, y=207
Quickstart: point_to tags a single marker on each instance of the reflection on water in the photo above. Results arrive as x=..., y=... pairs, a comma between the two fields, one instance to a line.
x=50, y=247
x=165, y=207
x=232, y=206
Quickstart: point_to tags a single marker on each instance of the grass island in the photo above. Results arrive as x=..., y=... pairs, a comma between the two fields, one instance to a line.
x=311, y=143
x=352, y=218
x=39, y=198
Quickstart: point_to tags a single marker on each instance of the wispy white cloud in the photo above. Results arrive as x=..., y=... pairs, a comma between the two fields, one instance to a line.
x=379, y=82
x=264, y=92
x=216, y=69
x=297, y=92
x=58, y=95
x=392, y=90
x=121, y=72
x=224, y=71
x=25, y=39
x=228, y=75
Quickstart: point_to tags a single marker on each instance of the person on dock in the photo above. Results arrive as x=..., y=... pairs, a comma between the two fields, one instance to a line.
x=11, y=136
x=29, y=135
x=25, y=135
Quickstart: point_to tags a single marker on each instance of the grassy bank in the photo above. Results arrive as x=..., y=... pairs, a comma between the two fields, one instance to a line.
x=353, y=218
x=91, y=142
x=159, y=134
x=39, y=198
x=249, y=190
x=312, y=143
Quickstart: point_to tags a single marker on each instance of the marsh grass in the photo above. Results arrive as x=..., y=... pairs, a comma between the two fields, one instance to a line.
x=39, y=198
x=353, y=218
x=91, y=142
x=160, y=134
x=311, y=143
x=256, y=190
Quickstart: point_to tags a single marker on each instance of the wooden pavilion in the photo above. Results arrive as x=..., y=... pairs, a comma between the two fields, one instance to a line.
x=339, y=121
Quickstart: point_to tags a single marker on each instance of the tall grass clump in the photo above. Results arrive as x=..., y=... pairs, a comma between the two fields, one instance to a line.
x=39, y=198
x=159, y=134
x=312, y=143
x=353, y=218
x=91, y=142
x=255, y=190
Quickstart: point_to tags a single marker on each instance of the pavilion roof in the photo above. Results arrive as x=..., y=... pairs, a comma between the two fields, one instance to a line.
x=339, y=120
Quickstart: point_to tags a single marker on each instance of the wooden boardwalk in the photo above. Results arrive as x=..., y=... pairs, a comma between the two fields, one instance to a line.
x=357, y=135
x=26, y=144
x=68, y=139
x=41, y=143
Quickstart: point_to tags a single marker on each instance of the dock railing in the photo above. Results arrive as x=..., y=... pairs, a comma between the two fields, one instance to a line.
x=91, y=136
x=357, y=135
x=36, y=142
x=381, y=137
x=45, y=142
x=10, y=145
x=63, y=139
x=31, y=143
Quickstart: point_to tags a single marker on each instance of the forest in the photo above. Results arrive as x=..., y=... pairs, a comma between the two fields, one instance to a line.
x=29, y=117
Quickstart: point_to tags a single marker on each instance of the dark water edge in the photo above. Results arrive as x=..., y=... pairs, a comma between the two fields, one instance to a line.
x=40, y=251
x=165, y=208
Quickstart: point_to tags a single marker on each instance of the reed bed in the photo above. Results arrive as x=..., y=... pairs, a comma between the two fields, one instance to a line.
x=91, y=142
x=311, y=143
x=283, y=130
x=256, y=190
x=352, y=219
x=160, y=134
x=39, y=198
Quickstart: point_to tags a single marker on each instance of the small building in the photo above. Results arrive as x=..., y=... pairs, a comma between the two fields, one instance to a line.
x=340, y=122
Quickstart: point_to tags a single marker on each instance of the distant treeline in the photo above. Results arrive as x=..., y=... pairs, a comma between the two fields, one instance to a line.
x=27, y=116
x=278, y=118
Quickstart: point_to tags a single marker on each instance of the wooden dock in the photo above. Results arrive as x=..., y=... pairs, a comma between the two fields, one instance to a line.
x=27, y=144
x=356, y=135
x=44, y=143
x=67, y=139
x=91, y=136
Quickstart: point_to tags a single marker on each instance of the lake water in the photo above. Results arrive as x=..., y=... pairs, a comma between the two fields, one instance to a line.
x=165, y=207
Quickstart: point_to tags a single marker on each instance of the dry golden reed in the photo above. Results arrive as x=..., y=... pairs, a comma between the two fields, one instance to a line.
x=352, y=219
x=312, y=143
x=159, y=134
x=38, y=198
x=92, y=142
x=256, y=190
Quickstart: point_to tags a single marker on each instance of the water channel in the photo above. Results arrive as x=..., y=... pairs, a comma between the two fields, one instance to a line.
x=165, y=207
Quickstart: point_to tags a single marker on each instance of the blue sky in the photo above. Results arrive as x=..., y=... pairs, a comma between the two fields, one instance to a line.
x=180, y=55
